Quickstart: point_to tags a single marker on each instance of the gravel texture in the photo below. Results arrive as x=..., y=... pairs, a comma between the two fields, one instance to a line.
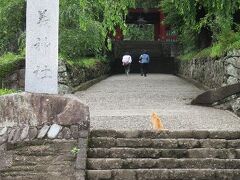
x=126, y=103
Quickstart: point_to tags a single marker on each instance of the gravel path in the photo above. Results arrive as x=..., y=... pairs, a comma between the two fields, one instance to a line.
x=124, y=103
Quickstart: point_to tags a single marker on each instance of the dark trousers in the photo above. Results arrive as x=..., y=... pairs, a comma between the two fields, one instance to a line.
x=127, y=69
x=144, y=69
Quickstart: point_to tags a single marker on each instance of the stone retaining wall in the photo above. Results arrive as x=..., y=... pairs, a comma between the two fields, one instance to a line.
x=43, y=137
x=69, y=76
x=215, y=73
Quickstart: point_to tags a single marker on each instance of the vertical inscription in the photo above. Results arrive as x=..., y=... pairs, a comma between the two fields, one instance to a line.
x=42, y=46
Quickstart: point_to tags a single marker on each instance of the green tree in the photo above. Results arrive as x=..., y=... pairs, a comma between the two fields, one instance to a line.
x=84, y=24
x=191, y=18
x=12, y=24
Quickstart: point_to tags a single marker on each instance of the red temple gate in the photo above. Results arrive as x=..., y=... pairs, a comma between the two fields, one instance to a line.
x=142, y=16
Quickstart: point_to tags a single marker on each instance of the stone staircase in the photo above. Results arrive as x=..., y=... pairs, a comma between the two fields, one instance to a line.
x=148, y=155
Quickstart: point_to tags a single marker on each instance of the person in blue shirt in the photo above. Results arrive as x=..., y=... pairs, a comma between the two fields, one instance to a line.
x=144, y=60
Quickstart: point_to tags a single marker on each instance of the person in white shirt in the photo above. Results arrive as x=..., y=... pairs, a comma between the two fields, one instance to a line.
x=126, y=62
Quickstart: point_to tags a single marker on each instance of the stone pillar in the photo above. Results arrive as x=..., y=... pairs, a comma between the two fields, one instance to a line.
x=162, y=28
x=42, y=46
x=119, y=34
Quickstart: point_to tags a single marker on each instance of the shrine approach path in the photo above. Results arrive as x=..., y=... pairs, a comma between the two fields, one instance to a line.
x=126, y=103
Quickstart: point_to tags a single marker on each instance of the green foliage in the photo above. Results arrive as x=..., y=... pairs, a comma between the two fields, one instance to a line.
x=135, y=32
x=8, y=63
x=75, y=151
x=227, y=41
x=6, y=91
x=147, y=4
x=188, y=56
x=75, y=43
x=84, y=25
x=85, y=62
x=190, y=17
x=12, y=24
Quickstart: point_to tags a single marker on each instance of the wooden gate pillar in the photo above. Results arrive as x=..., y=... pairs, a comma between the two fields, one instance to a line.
x=119, y=34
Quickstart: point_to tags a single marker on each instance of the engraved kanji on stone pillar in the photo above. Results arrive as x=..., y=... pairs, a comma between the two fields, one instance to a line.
x=42, y=46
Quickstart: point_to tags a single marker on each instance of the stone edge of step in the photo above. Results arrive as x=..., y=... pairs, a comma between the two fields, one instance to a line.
x=196, y=134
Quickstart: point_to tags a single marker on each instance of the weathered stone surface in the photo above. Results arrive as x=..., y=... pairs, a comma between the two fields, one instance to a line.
x=99, y=174
x=6, y=160
x=38, y=109
x=80, y=175
x=3, y=147
x=232, y=80
x=22, y=73
x=81, y=156
x=3, y=139
x=103, y=142
x=74, y=113
x=224, y=134
x=82, y=153
x=124, y=175
x=3, y=131
x=160, y=174
x=17, y=135
x=188, y=143
x=75, y=132
x=33, y=132
x=60, y=135
x=236, y=106
x=66, y=133
x=24, y=134
x=53, y=131
x=82, y=143
x=213, y=143
x=43, y=131
x=200, y=134
x=211, y=96
x=64, y=89
x=234, y=61
x=81, y=163
x=38, y=160
x=98, y=164
x=232, y=71
x=83, y=133
x=11, y=134
x=61, y=66
x=234, y=53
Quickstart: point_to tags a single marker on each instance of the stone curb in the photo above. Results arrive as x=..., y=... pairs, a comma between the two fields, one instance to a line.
x=90, y=83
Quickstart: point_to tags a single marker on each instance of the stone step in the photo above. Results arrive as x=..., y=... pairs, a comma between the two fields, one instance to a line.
x=25, y=168
x=39, y=160
x=34, y=176
x=167, y=134
x=164, y=174
x=163, y=153
x=41, y=167
x=108, y=142
x=165, y=163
